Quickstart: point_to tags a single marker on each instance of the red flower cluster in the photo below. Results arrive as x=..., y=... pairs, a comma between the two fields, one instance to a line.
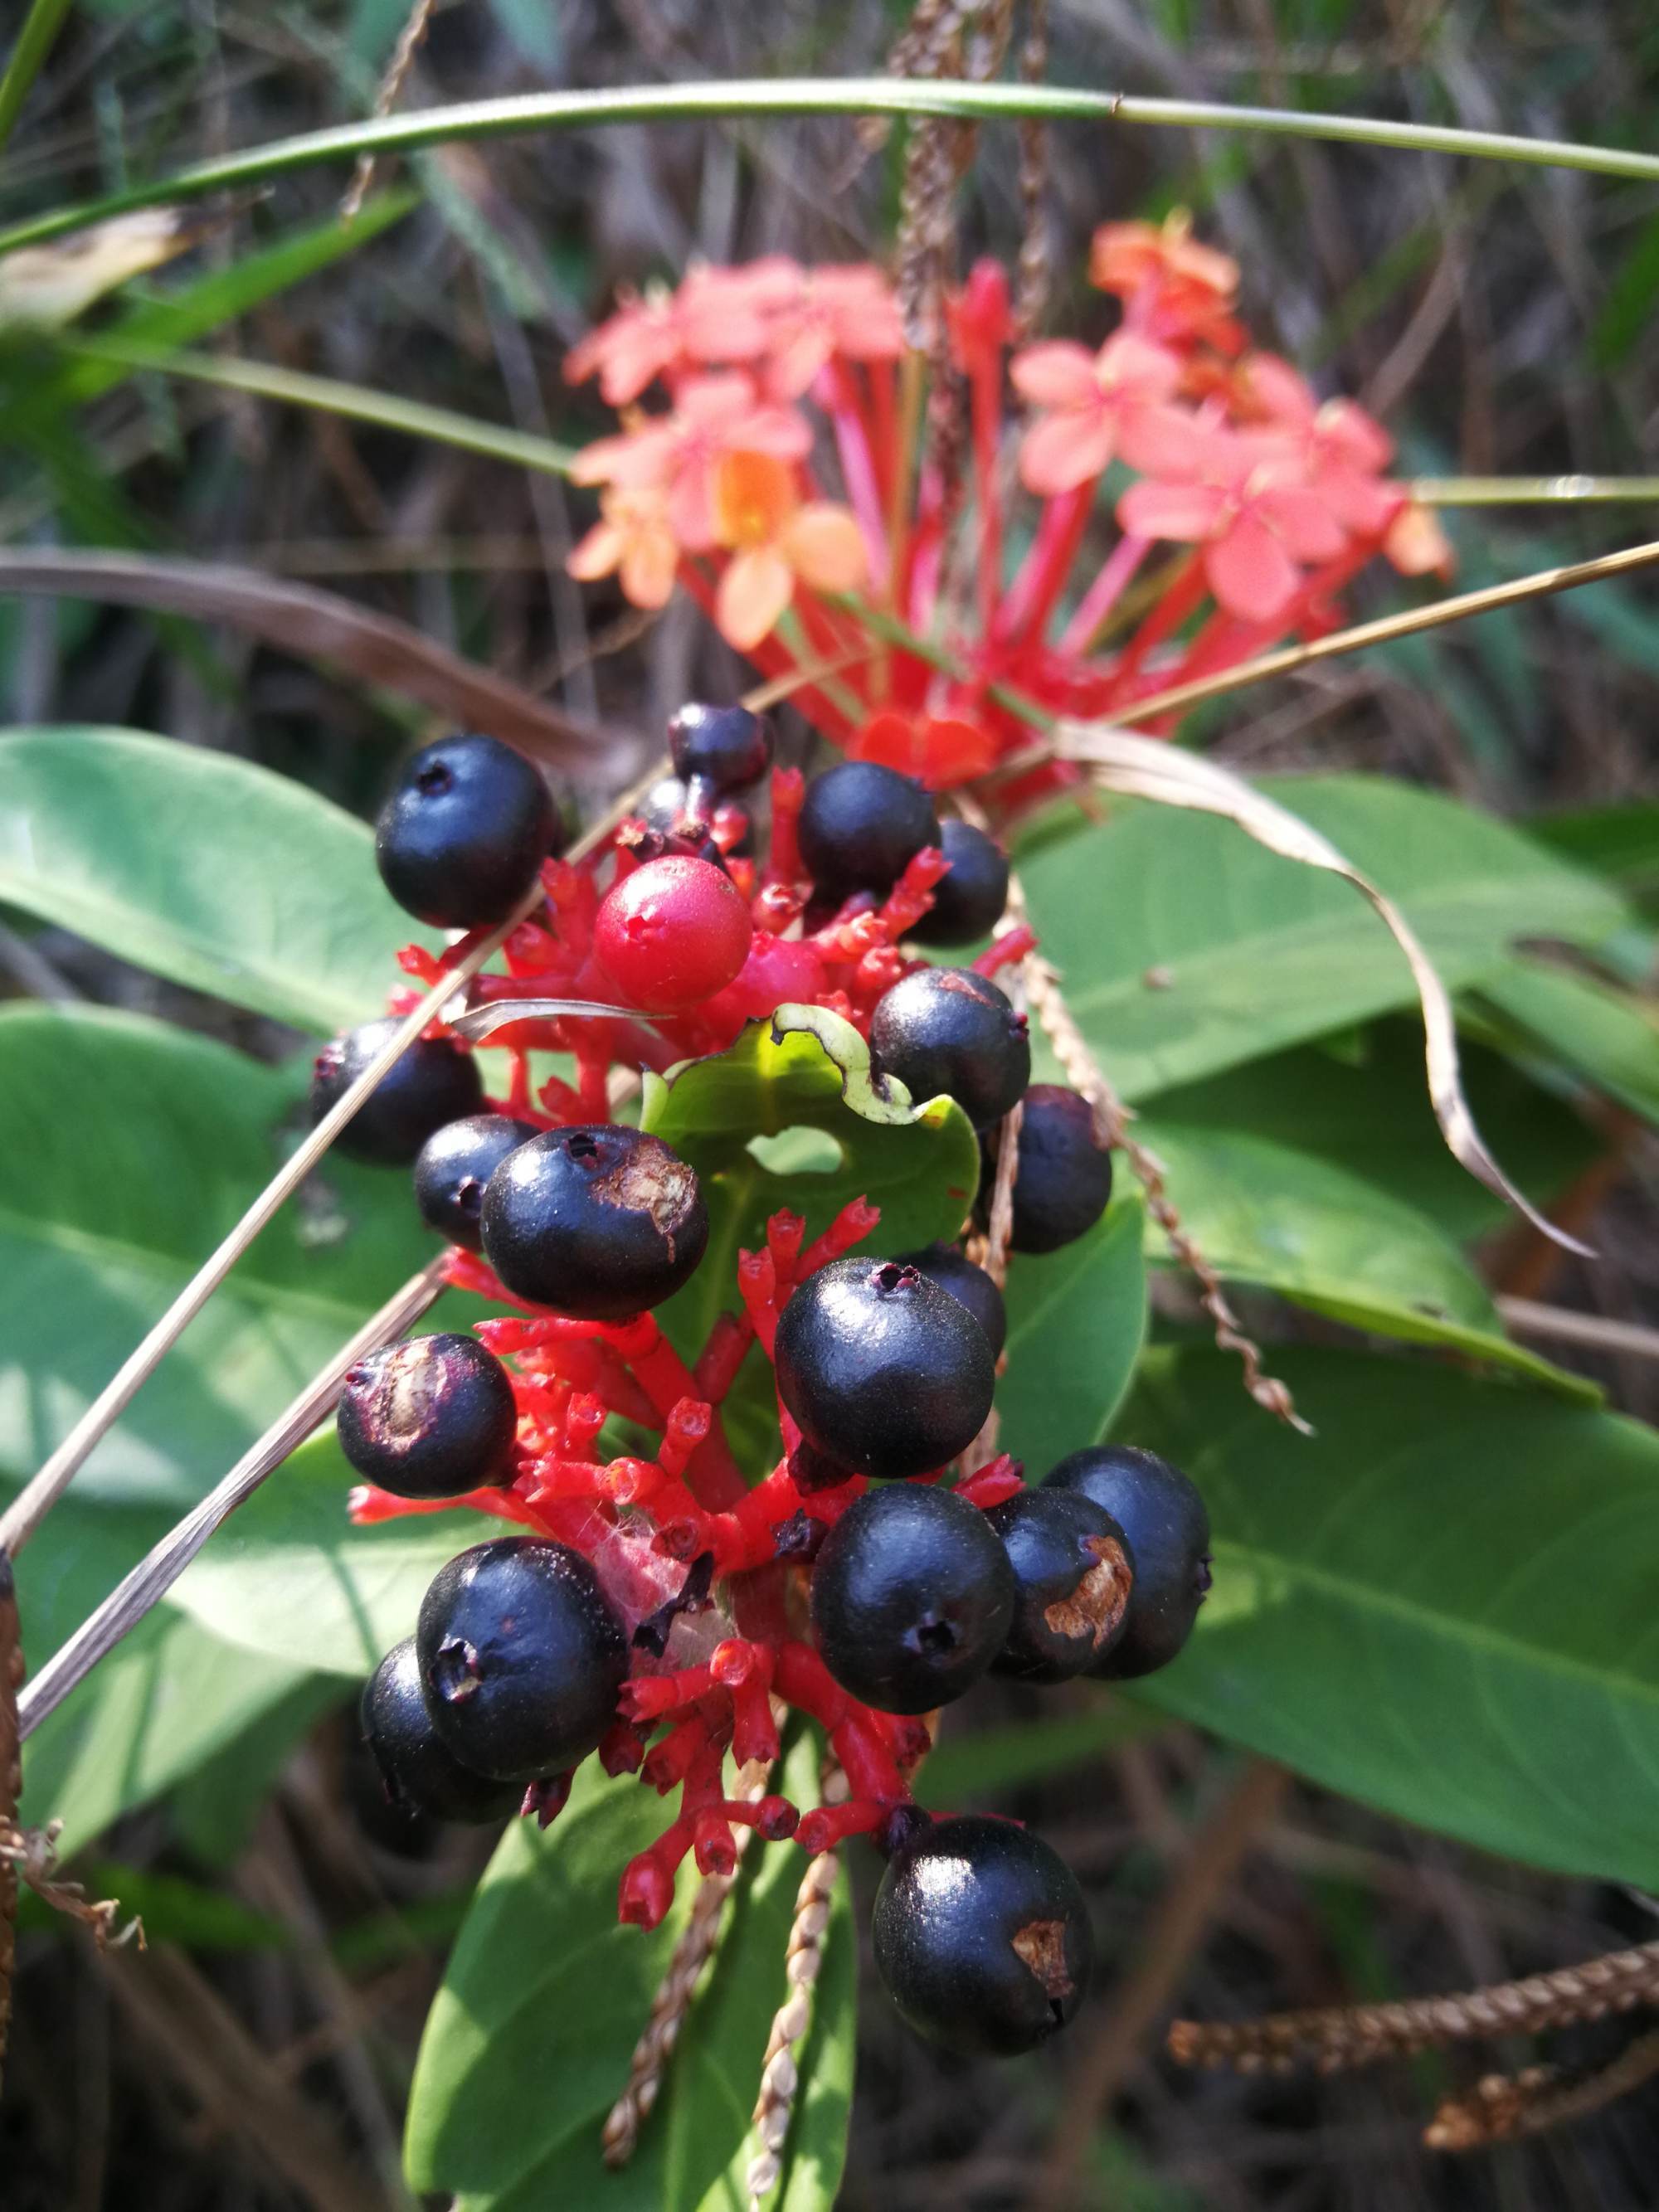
x=770, y=370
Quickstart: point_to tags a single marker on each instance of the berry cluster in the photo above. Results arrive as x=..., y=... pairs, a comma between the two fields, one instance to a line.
x=663, y=1612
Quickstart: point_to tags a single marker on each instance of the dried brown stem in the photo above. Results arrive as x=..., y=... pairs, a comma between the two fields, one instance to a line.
x=1085, y=1073
x=11, y=1787
x=32, y=1504
x=1502, y=2106
x=1031, y=289
x=391, y=84
x=648, y=2066
x=802, y=1964
x=1339, y=2037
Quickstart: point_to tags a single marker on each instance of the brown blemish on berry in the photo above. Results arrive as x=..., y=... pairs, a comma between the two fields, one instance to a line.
x=1040, y=1946
x=1095, y=1606
x=406, y=1398
x=960, y=979
x=648, y=1179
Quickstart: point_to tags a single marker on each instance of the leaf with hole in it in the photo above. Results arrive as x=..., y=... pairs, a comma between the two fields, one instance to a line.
x=528, y=2041
x=1077, y=1319
x=1185, y=948
x=792, y=1116
x=1440, y=1605
x=128, y=1150
x=205, y=870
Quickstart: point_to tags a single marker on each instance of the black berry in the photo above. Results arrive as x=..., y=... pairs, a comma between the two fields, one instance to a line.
x=418, y=1772
x=455, y=1164
x=968, y=1285
x=432, y=1417
x=1073, y=1571
x=982, y=1936
x=599, y=1221
x=1065, y=1177
x=860, y=824
x=521, y=1657
x=969, y=897
x=1161, y=1513
x=885, y=1373
x=433, y=1082
x=912, y=1598
x=459, y=841
x=948, y=1029
x=723, y=748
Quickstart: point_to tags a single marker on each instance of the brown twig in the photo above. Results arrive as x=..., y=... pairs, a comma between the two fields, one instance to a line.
x=398, y=69
x=1339, y=2037
x=648, y=2066
x=802, y=1964
x=1085, y=1073
x=1032, y=288
x=1501, y=2106
x=1177, y=1929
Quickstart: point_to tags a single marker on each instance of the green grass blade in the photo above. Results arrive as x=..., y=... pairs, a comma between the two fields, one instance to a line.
x=41, y=26
x=333, y=397
x=797, y=96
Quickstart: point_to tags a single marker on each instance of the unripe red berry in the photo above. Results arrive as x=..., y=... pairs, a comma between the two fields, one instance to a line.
x=674, y=932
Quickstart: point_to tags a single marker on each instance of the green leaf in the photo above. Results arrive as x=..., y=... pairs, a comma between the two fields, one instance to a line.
x=1620, y=842
x=1330, y=1238
x=808, y=1070
x=1364, y=1110
x=1077, y=1319
x=1610, y=1036
x=1441, y=1605
x=1184, y=947
x=289, y=1575
x=174, y=1911
x=203, y=869
x=527, y=2044
x=971, y=1767
x=128, y=1149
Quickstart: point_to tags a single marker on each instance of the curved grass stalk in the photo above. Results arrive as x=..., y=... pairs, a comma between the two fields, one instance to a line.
x=34, y=41
x=1532, y=491
x=798, y=96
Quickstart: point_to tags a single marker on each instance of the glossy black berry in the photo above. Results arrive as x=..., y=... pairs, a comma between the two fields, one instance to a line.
x=969, y=897
x=460, y=839
x=1065, y=1177
x=912, y=1598
x=885, y=1373
x=599, y=1221
x=1161, y=1513
x=948, y=1030
x=968, y=1285
x=433, y=1082
x=982, y=1936
x=1073, y=1571
x=432, y=1417
x=455, y=1164
x=418, y=1772
x=521, y=1657
x=726, y=748
x=860, y=825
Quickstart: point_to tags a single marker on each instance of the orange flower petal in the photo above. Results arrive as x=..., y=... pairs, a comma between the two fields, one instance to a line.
x=647, y=569
x=1184, y=512
x=753, y=592
x=1416, y=545
x=1249, y=571
x=751, y=497
x=597, y=554
x=823, y=544
x=1056, y=374
x=1065, y=450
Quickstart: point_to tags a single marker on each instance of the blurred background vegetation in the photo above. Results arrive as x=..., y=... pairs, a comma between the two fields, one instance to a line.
x=1500, y=320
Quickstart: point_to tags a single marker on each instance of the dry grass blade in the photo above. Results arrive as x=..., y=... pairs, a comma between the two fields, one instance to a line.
x=484, y=1021
x=43, y=286
x=317, y=625
x=1145, y=767
x=1339, y=2037
x=32, y=1502
x=391, y=84
x=155, y=1574
x=1542, y=586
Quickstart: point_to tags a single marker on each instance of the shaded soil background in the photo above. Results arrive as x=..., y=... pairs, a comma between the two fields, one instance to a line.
x=1501, y=320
